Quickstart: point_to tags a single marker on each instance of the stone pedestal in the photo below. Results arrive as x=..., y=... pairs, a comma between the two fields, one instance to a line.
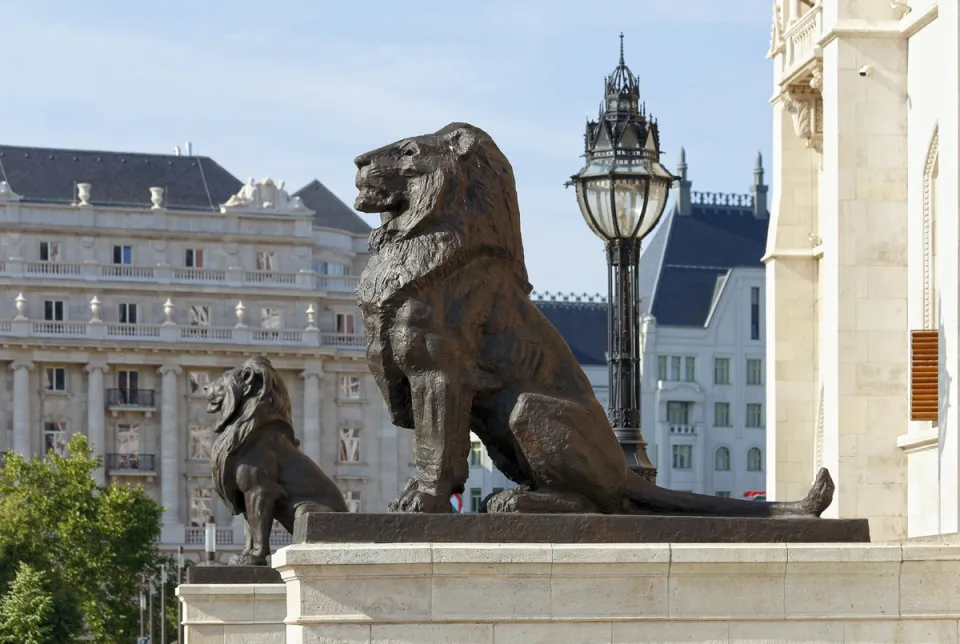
x=493, y=593
x=231, y=608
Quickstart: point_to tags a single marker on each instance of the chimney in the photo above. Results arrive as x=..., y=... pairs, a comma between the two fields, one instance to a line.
x=189, y=149
x=176, y=150
x=759, y=191
x=683, y=195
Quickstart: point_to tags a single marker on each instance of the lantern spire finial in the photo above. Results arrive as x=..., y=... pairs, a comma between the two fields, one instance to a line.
x=621, y=48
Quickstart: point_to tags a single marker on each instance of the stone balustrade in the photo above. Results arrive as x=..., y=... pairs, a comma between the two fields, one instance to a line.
x=800, y=41
x=164, y=274
x=173, y=333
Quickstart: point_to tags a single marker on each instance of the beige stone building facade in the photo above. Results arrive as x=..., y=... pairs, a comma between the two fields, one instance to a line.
x=130, y=280
x=862, y=253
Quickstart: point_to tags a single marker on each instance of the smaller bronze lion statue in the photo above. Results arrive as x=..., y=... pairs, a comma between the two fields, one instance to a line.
x=258, y=468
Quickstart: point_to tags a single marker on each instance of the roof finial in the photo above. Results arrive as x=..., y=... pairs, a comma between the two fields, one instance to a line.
x=621, y=50
x=759, y=165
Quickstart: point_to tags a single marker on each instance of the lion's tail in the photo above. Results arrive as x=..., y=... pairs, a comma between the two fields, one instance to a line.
x=647, y=497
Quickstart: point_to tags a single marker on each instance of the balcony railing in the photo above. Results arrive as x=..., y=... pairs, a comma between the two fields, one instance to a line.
x=195, y=536
x=280, y=538
x=130, y=462
x=683, y=429
x=132, y=398
x=800, y=41
x=162, y=274
x=173, y=333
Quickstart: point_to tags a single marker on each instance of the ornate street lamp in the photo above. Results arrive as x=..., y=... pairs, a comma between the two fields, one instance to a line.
x=622, y=191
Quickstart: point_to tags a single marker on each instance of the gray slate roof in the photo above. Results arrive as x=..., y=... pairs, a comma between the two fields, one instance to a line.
x=116, y=178
x=700, y=249
x=583, y=326
x=329, y=211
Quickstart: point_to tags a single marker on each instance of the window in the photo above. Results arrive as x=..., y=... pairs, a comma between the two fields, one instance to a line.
x=127, y=313
x=49, y=251
x=345, y=323
x=329, y=268
x=754, y=460
x=476, y=498
x=266, y=261
x=196, y=381
x=128, y=447
x=199, y=315
x=754, y=415
x=194, y=258
x=690, y=369
x=350, y=445
x=721, y=371
x=721, y=414
x=723, y=494
x=55, y=438
x=350, y=387
x=476, y=454
x=661, y=367
x=53, y=311
x=55, y=379
x=682, y=457
x=352, y=497
x=754, y=312
x=122, y=255
x=128, y=382
x=201, y=440
x=721, y=460
x=201, y=505
x=754, y=371
x=269, y=318
x=675, y=368
x=678, y=413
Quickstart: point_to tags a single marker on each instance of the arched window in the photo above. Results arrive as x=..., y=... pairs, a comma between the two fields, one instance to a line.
x=722, y=460
x=754, y=460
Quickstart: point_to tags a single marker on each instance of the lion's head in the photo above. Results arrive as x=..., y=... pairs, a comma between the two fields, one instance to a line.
x=248, y=397
x=455, y=182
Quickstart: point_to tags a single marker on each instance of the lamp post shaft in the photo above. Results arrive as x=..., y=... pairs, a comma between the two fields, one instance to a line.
x=623, y=349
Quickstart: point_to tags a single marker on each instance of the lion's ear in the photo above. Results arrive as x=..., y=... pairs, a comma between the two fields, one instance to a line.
x=248, y=377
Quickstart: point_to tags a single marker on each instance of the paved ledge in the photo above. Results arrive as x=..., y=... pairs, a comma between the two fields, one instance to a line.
x=570, y=528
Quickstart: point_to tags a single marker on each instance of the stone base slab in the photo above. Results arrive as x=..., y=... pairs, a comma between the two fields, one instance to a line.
x=553, y=593
x=570, y=528
x=224, y=574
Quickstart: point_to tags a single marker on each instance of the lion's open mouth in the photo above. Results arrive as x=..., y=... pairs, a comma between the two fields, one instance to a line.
x=215, y=403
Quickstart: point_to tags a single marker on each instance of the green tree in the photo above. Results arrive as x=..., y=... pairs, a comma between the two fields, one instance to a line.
x=99, y=543
x=27, y=610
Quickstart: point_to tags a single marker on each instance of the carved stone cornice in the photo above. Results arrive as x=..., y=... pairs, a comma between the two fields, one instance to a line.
x=776, y=32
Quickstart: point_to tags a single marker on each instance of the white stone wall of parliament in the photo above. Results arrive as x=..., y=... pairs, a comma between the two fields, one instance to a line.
x=860, y=141
x=239, y=613
x=622, y=593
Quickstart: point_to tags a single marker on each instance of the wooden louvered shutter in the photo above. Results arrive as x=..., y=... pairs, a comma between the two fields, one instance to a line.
x=924, y=375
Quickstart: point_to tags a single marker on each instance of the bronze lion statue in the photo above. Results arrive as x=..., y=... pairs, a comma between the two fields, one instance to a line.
x=258, y=468
x=455, y=345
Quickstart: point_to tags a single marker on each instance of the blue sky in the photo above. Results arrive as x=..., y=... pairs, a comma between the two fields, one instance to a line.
x=295, y=89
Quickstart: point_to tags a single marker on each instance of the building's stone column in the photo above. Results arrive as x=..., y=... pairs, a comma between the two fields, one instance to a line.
x=96, y=433
x=169, y=445
x=21, y=406
x=310, y=433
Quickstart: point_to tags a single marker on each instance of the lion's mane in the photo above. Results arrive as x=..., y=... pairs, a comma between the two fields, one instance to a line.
x=254, y=399
x=464, y=207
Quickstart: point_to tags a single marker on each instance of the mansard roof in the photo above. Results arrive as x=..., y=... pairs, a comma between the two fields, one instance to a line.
x=50, y=175
x=329, y=211
x=581, y=321
x=698, y=251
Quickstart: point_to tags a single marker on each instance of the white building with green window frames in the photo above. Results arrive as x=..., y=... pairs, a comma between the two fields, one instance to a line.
x=702, y=389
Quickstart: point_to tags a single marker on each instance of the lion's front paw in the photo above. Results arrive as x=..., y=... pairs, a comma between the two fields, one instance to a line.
x=421, y=502
x=247, y=560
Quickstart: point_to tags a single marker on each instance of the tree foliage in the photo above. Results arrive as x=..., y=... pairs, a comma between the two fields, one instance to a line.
x=94, y=544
